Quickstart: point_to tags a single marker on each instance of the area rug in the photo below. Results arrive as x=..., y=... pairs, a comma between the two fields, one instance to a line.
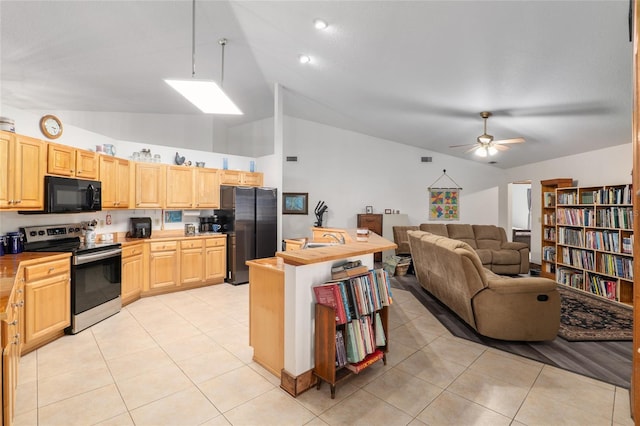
x=609, y=361
x=584, y=317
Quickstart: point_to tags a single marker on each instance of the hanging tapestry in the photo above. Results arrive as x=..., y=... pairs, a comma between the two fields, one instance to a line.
x=444, y=203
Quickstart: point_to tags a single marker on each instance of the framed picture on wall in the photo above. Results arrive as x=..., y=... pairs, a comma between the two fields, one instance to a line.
x=295, y=203
x=368, y=209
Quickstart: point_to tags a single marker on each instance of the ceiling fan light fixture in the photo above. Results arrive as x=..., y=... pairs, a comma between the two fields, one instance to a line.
x=485, y=139
x=206, y=95
x=304, y=59
x=320, y=24
x=482, y=152
x=491, y=150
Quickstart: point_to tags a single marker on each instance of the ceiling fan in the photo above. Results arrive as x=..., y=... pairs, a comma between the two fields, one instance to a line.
x=485, y=145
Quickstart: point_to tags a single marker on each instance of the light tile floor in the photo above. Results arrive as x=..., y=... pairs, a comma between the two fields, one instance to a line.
x=184, y=359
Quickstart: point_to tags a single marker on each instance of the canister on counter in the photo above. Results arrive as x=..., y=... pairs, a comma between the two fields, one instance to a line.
x=14, y=242
x=3, y=244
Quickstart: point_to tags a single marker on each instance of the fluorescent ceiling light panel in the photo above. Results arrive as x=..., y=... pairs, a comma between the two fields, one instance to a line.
x=206, y=95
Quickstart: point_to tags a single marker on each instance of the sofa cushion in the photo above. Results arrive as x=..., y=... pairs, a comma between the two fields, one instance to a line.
x=435, y=228
x=462, y=232
x=505, y=257
x=488, y=236
x=485, y=255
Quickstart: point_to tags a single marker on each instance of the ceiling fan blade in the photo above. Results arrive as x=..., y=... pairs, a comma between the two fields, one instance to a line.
x=506, y=141
x=473, y=148
x=459, y=146
x=501, y=147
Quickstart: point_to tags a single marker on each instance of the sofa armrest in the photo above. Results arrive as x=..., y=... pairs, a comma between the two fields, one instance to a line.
x=513, y=246
x=506, y=285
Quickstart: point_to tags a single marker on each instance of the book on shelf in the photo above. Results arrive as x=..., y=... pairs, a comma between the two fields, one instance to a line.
x=341, y=352
x=381, y=338
x=348, y=270
x=329, y=294
x=366, y=362
x=549, y=199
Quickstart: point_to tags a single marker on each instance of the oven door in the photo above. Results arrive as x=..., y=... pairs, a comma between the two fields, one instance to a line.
x=95, y=279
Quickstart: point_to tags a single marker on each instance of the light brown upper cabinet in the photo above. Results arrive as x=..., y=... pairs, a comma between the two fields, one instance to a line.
x=150, y=185
x=180, y=192
x=22, y=175
x=238, y=177
x=115, y=175
x=64, y=160
x=207, y=188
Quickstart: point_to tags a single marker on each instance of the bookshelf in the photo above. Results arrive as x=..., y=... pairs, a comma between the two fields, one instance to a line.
x=594, y=244
x=548, y=219
x=342, y=327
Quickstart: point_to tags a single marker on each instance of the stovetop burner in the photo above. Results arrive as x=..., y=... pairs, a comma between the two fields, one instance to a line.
x=62, y=238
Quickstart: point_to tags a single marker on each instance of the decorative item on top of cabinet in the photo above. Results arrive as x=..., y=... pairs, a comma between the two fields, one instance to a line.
x=22, y=183
x=64, y=160
x=116, y=176
x=373, y=222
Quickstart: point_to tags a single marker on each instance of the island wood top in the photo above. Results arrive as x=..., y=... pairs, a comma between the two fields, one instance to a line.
x=351, y=248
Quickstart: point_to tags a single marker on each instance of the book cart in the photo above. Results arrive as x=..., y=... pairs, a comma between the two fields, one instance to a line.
x=351, y=324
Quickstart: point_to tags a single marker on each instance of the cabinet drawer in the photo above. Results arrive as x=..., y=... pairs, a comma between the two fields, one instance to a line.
x=216, y=242
x=47, y=269
x=163, y=246
x=131, y=250
x=187, y=244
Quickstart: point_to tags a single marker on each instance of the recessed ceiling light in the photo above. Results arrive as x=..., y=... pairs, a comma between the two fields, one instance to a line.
x=304, y=59
x=320, y=24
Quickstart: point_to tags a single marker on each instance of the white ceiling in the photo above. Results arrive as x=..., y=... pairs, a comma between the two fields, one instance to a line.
x=558, y=73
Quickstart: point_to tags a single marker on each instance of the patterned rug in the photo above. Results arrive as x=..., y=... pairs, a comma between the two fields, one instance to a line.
x=584, y=317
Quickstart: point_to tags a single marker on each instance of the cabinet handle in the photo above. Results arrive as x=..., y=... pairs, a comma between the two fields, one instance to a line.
x=20, y=304
x=19, y=291
x=79, y=171
x=18, y=201
x=14, y=322
x=51, y=270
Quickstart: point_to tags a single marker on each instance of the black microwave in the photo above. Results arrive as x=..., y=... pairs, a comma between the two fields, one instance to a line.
x=68, y=195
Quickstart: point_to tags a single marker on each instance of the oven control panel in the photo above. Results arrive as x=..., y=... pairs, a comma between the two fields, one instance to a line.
x=51, y=232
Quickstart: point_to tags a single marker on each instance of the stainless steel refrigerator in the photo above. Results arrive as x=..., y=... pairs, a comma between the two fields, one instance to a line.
x=249, y=217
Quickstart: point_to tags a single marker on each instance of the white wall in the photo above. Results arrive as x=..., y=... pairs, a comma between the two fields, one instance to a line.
x=607, y=166
x=349, y=171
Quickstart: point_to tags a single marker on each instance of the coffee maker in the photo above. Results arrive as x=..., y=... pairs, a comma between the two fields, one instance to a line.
x=209, y=223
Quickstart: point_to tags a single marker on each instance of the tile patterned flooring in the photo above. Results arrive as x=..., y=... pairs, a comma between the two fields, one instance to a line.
x=184, y=359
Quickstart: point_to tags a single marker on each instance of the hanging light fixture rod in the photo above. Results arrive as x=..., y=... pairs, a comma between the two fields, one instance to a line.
x=223, y=43
x=193, y=39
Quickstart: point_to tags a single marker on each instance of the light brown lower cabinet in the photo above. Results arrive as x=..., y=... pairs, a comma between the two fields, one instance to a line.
x=47, y=302
x=132, y=272
x=191, y=261
x=163, y=265
x=11, y=346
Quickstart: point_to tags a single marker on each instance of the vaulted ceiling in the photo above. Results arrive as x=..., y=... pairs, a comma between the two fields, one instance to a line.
x=558, y=73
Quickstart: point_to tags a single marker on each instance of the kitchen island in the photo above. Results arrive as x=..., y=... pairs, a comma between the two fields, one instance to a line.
x=290, y=306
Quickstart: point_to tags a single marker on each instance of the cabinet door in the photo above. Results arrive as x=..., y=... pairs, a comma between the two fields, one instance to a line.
x=61, y=160
x=7, y=172
x=123, y=190
x=191, y=266
x=150, y=185
x=179, y=187
x=163, y=269
x=47, y=307
x=29, y=173
x=252, y=178
x=132, y=274
x=86, y=164
x=109, y=179
x=230, y=177
x=207, y=188
x=216, y=263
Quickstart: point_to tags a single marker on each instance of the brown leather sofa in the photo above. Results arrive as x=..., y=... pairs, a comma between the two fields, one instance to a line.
x=490, y=242
x=506, y=308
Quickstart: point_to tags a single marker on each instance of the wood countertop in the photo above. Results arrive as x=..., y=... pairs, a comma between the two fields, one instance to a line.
x=352, y=247
x=271, y=263
x=10, y=264
x=165, y=236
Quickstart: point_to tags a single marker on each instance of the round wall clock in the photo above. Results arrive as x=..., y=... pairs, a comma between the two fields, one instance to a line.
x=51, y=126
